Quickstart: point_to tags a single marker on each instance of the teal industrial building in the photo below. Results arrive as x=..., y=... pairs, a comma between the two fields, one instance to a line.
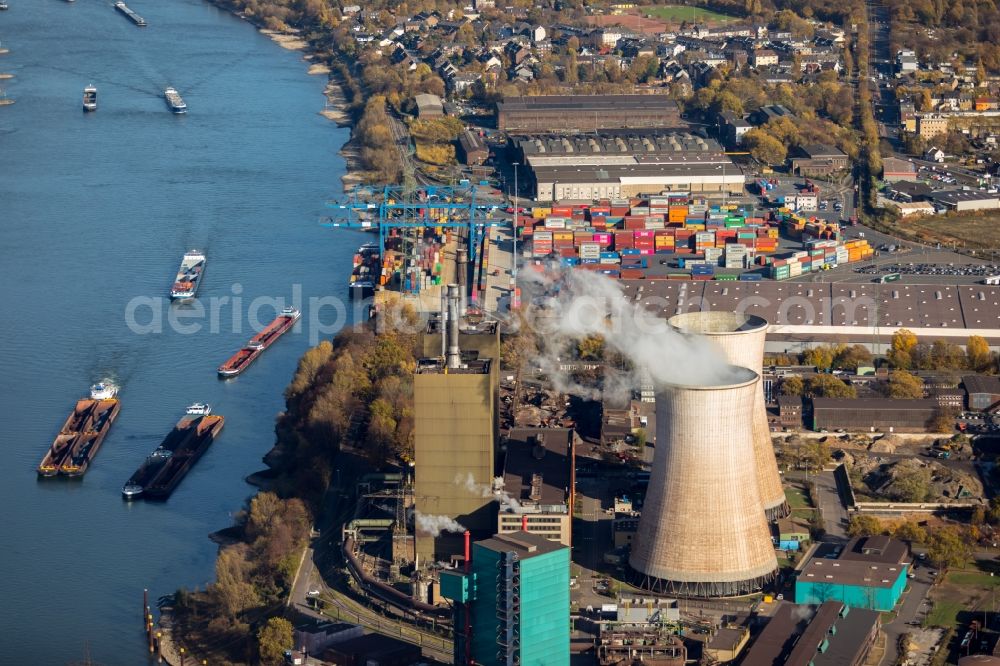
x=869, y=573
x=512, y=602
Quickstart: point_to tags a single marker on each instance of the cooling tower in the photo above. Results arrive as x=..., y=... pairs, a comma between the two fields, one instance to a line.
x=702, y=531
x=741, y=338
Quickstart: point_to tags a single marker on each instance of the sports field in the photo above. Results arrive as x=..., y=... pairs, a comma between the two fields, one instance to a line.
x=679, y=13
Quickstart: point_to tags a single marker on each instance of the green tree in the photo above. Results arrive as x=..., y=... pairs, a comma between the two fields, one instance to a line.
x=946, y=548
x=828, y=386
x=793, y=385
x=903, y=385
x=273, y=639
x=862, y=525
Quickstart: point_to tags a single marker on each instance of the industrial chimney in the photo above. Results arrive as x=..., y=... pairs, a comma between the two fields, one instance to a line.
x=462, y=259
x=741, y=338
x=702, y=531
x=454, y=355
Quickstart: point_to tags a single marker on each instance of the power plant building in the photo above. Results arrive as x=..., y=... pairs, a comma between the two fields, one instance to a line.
x=454, y=434
x=512, y=604
x=703, y=531
x=586, y=113
x=741, y=338
x=538, y=481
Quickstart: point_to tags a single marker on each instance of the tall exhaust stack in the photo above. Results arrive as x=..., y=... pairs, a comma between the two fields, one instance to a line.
x=444, y=324
x=454, y=355
x=702, y=531
x=741, y=338
x=462, y=259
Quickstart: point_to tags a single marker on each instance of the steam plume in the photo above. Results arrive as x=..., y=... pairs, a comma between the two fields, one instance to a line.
x=433, y=525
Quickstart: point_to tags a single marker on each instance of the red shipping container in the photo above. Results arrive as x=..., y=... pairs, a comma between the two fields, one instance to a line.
x=632, y=274
x=567, y=252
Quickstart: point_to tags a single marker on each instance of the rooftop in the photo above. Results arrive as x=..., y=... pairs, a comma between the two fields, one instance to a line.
x=981, y=384
x=821, y=150
x=525, y=544
x=435, y=366
x=875, y=549
x=537, y=466
x=575, y=173
x=954, y=197
x=849, y=572
x=793, y=635
x=596, y=103
x=628, y=143
x=874, y=404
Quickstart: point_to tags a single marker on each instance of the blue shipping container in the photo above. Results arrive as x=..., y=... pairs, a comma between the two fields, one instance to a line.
x=750, y=277
x=629, y=251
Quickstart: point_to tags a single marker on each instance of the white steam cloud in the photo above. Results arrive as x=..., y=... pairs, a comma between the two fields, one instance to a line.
x=577, y=304
x=434, y=525
x=468, y=482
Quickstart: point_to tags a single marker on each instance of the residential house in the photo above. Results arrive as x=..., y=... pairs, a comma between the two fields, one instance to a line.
x=764, y=58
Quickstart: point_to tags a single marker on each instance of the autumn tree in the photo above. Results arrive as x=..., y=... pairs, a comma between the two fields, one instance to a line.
x=828, y=386
x=946, y=548
x=273, y=639
x=765, y=148
x=903, y=342
x=591, y=348
x=850, y=358
x=862, y=525
x=978, y=354
x=903, y=385
x=793, y=385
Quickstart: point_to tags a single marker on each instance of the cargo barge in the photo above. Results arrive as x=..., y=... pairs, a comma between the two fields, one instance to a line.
x=189, y=275
x=82, y=434
x=175, y=101
x=366, y=270
x=164, y=468
x=242, y=359
x=131, y=15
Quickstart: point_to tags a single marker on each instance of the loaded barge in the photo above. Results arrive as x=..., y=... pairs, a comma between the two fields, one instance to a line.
x=189, y=275
x=131, y=15
x=163, y=469
x=242, y=359
x=82, y=434
x=366, y=271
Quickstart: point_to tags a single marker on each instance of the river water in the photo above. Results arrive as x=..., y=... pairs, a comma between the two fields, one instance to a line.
x=96, y=211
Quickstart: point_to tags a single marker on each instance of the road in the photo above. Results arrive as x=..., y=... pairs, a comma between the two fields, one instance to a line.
x=832, y=507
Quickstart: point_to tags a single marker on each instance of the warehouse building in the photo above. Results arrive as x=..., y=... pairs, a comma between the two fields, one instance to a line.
x=873, y=414
x=538, y=481
x=870, y=573
x=429, y=106
x=802, y=314
x=617, y=147
x=586, y=113
x=818, y=160
x=831, y=634
x=472, y=150
x=961, y=200
x=557, y=183
x=983, y=392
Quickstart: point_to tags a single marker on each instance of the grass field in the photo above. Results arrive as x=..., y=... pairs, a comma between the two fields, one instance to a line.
x=976, y=578
x=944, y=614
x=973, y=229
x=679, y=13
x=797, y=498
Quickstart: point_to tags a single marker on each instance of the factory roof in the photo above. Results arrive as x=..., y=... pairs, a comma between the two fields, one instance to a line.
x=629, y=143
x=849, y=572
x=981, y=384
x=955, y=197
x=878, y=548
x=608, y=172
x=821, y=150
x=793, y=635
x=849, y=405
x=537, y=465
x=525, y=544
x=727, y=638
x=803, y=310
x=595, y=103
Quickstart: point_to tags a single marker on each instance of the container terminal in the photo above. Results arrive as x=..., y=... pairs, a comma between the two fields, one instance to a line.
x=82, y=434
x=130, y=15
x=165, y=467
x=242, y=359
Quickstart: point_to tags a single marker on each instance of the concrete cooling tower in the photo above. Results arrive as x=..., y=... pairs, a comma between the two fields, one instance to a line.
x=702, y=531
x=741, y=338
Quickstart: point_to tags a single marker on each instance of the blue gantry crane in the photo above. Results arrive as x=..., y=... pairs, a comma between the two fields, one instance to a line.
x=394, y=206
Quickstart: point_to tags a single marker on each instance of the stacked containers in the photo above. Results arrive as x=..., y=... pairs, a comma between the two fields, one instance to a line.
x=542, y=243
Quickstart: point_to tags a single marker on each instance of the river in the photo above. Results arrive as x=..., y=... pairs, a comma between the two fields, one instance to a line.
x=96, y=211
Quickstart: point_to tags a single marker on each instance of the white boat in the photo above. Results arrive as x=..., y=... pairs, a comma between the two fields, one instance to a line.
x=199, y=409
x=189, y=275
x=103, y=391
x=90, y=98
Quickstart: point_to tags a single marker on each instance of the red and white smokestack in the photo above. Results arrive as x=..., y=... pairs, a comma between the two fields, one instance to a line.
x=524, y=523
x=468, y=551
